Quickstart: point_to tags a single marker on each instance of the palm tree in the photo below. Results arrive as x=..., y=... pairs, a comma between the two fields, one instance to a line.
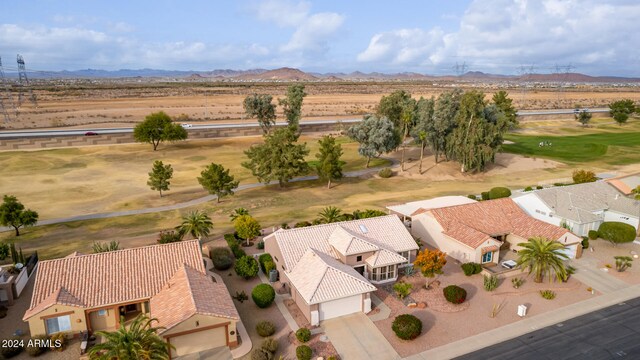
x=330, y=214
x=196, y=223
x=238, y=212
x=139, y=340
x=542, y=257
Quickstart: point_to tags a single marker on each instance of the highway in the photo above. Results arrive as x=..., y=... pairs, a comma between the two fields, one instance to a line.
x=15, y=134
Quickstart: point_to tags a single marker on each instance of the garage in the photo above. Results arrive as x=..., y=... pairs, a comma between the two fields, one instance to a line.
x=194, y=342
x=570, y=251
x=340, y=307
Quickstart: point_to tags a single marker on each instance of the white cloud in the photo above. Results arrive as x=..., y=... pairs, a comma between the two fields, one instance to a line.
x=121, y=27
x=284, y=13
x=500, y=34
x=313, y=34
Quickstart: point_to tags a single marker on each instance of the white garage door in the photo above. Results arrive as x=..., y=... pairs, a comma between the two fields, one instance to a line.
x=199, y=341
x=345, y=306
x=571, y=251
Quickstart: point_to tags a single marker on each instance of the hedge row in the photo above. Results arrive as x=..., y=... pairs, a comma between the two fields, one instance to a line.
x=234, y=245
x=266, y=263
x=617, y=232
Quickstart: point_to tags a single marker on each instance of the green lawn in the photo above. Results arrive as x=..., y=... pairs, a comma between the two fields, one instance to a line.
x=617, y=148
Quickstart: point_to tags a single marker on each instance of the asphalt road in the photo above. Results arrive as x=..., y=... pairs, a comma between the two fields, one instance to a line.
x=610, y=333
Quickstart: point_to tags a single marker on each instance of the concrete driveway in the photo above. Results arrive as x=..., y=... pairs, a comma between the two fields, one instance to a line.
x=356, y=337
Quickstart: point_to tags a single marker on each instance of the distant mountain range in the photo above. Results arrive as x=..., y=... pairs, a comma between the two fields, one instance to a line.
x=290, y=74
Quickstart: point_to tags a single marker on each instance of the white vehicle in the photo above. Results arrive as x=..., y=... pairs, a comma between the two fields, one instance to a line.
x=185, y=125
x=509, y=264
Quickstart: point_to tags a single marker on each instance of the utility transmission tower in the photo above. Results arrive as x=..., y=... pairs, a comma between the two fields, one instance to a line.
x=5, y=112
x=460, y=69
x=526, y=73
x=24, y=82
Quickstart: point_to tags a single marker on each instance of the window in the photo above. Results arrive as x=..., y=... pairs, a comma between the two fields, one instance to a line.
x=58, y=324
x=404, y=254
x=102, y=312
x=541, y=212
x=359, y=258
x=487, y=257
x=384, y=273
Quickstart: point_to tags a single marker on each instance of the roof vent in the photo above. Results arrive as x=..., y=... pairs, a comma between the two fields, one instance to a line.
x=363, y=229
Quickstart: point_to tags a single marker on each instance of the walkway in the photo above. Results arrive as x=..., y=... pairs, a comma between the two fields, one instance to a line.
x=527, y=325
x=356, y=337
x=280, y=304
x=189, y=203
x=588, y=273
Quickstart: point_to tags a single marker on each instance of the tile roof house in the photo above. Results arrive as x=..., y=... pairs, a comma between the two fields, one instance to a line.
x=408, y=209
x=626, y=183
x=477, y=232
x=330, y=268
x=580, y=207
x=168, y=282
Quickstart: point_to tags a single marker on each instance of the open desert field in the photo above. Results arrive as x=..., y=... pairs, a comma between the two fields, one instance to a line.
x=113, y=104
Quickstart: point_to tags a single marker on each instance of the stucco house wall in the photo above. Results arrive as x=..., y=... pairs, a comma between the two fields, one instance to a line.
x=37, y=324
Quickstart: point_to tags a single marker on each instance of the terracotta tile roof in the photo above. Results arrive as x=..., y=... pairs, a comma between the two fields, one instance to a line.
x=113, y=277
x=487, y=249
x=383, y=231
x=190, y=292
x=348, y=243
x=472, y=224
x=319, y=277
x=626, y=183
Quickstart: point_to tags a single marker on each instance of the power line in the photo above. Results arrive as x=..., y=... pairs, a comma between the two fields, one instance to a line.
x=24, y=81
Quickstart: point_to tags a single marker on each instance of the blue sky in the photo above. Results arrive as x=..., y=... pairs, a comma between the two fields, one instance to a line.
x=498, y=36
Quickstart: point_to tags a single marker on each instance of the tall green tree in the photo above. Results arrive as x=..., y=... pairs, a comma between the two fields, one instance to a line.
x=329, y=165
x=479, y=132
x=376, y=136
x=424, y=128
x=136, y=340
x=399, y=107
x=238, y=212
x=621, y=109
x=247, y=227
x=505, y=104
x=279, y=158
x=13, y=213
x=160, y=176
x=292, y=104
x=216, y=180
x=444, y=122
x=158, y=127
x=583, y=117
x=330, y=214
x=197, y=223
x=261, y=108
x=543, y=257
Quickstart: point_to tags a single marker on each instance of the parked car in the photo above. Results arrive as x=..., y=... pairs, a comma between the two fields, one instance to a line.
x=185, y=125
x=90, y=133
x=509, y=264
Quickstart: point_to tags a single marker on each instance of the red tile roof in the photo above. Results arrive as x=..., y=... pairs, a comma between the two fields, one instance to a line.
x=113, y=277
x=472, y=224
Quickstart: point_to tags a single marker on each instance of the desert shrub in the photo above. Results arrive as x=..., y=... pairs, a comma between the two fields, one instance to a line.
x=490, y=282
x=517, y=282
x=247, y=267
x=471, y=268
x=499, y=192
x=385, y=173
x=263, y=295
x=617, y=232
x=407, y=327
x=270, y=345
x=262, y=259
x=593, y=234
x=169, y=236
x=623, y=262
x=222, y=258
x=284, y=226
x=539, y=187
x=4, y=251
x=528, y=188
x=241, y=296
x=34, y=346
x=585, y=242
x=455, y=294
x=548, y=294
x=583, y=176
x=234, y=245
x=409, y=271
x=265, y=328
x=302, y=224
x=484, y=195
x=364, y=214
x=58, y=341
x=303, y=335
x=11, y=347
x=260, y=245
x=303, y=352
x=261, y=354
x=472, y=197
x=402, y=289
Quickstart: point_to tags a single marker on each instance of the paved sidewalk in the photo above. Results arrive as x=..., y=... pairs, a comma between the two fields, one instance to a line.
x=588, y=273
x=281, y=306
x=356, y=337
x=384, y=309
x=527, y=325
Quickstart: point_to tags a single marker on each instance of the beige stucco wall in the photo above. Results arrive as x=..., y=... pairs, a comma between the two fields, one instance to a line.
x=197, y=341
x=103, y=322
x=203, y=321
x=37, y=324
x=352, y=260
x=496, y=254
x=302, y=304
x=271, y=247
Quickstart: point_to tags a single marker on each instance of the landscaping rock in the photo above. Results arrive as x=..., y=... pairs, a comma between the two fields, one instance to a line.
x=421, y=305
x=412, y=305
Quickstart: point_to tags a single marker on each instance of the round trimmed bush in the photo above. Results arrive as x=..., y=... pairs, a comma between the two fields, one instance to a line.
x=617, y=232
x=385, y=173
x=528, y=188
x=270, y=345
x=455, y=294
x=407, y=327
x=471, y=268
x=261, y=354
x=585, y=242
x=247, y=267
x=263, y=295
x=593, y=234
x=484, y=195
x=303, y=352
x=499, y=192
x=222, y=258
x=265, y=328
x=303, y=335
